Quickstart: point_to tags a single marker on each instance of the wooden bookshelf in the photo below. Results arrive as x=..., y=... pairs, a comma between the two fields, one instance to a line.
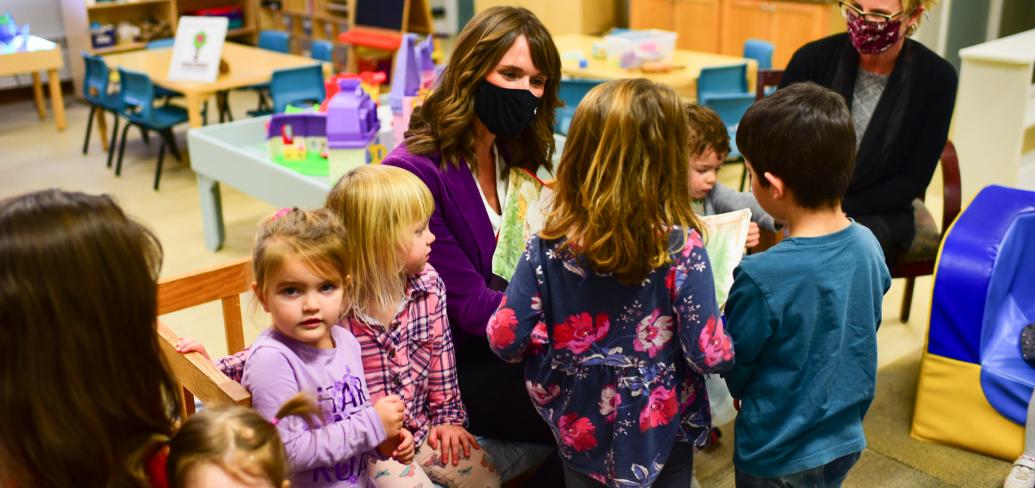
x=306, y=20
x=78, y=15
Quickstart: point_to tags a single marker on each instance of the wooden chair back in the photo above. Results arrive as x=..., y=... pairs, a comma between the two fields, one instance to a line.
x=197, y=375
x=767, y=78
x=951, y=196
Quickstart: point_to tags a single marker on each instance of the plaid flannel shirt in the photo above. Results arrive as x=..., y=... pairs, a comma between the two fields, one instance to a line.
x=413, y=357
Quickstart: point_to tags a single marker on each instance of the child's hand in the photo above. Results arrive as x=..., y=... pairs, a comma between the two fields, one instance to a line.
x=753, y=235
x=388, y=446
x=188, y=345
x=453, y=438
x=390, y=409
x=404, y=450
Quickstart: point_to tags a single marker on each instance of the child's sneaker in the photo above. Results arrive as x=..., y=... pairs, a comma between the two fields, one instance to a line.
x=1023, y=473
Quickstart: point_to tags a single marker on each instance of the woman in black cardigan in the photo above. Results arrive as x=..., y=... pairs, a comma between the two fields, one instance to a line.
x=901, y=95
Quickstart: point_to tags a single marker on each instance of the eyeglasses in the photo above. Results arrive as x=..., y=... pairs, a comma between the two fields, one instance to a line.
x=849, y=11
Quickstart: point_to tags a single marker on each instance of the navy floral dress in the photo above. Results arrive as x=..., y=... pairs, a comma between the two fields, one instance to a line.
x=615, y=370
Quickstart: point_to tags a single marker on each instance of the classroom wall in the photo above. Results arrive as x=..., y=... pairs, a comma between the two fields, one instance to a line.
x=44, y=19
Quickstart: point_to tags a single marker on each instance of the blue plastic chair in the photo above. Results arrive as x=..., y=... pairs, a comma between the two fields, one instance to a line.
x=275, y=40
x=160, y=43
x=322, y=50
x=721, y=80
x=272, y=40
x=761, y=51
x=571, y=92
x=731, y=108
x=96, y=92
x=137, y=96
x=297, y=85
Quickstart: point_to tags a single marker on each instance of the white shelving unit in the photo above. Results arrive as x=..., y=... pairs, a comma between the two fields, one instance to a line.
x=994, y=121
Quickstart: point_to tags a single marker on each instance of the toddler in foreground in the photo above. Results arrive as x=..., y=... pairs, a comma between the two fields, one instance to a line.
x=299, y=264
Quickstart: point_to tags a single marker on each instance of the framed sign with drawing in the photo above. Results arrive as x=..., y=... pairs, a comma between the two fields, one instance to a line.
x=199, y=43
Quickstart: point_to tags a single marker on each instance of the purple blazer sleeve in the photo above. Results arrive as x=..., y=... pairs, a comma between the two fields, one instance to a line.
x=464, y=241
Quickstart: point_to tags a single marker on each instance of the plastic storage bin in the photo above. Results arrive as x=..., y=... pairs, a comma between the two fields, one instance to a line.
x=102, y=35
x=632, y=48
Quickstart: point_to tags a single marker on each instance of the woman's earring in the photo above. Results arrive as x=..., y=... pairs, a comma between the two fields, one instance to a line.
x=910, y=30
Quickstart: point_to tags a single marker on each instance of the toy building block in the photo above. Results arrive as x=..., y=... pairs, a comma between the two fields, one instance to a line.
x=9, y=31
x=370, y=81
x=352, y=125
x=297, y=136
x=406, y=84
x=427, y=64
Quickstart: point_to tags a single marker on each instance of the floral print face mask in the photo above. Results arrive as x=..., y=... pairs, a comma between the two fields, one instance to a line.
x=870, y=37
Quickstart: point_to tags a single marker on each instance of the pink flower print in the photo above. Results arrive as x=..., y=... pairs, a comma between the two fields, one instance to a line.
x=609, y=402
x=577, y=432
x=670, y=280
x=653, y=333
x=693, y=240
x=542, y=395
x=714, y=342
x=539, y=339
x=661, y=407
x=501, y=326
x=580, y=331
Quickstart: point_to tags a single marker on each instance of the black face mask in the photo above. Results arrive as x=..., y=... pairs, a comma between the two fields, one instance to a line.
x=506, y=112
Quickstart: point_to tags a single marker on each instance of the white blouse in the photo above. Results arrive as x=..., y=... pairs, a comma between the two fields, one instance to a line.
x=501, y=191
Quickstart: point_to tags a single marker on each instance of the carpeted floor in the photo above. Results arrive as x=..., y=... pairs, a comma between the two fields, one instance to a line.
x=893, y=457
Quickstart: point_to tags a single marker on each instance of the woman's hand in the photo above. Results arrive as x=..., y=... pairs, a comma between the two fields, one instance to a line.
x=188, y=345
x=452, y=439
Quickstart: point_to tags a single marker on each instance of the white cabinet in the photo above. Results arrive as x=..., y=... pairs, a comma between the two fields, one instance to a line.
x=994, y=120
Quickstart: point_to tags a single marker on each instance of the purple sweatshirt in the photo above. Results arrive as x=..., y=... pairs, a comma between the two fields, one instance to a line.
x=464, y=240
x=336, y=452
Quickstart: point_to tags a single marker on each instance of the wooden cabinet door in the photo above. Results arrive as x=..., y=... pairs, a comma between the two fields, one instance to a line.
x=697, y=22
x=743, y=20
x=794, y=25
x=652, y=14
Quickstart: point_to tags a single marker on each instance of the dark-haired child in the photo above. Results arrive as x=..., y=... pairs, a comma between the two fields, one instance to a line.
x=804, y=314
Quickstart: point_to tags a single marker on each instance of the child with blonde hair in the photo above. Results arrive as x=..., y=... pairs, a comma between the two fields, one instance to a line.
x=299, y=264
x=612, y=306
x=398, y=315
x=234, y=446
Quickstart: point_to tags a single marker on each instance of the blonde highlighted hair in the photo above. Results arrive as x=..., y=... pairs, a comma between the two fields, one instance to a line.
x=622, y=179
x=237, y=440
x=379, y=205
x=316, y=237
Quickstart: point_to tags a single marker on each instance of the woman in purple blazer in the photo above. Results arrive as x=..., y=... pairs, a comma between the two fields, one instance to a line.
x=492, y=110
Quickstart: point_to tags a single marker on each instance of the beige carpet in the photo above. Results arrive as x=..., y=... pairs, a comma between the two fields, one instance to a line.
x=893, y=459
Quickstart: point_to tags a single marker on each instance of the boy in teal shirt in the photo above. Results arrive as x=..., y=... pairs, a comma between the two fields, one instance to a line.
x=804, y=314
